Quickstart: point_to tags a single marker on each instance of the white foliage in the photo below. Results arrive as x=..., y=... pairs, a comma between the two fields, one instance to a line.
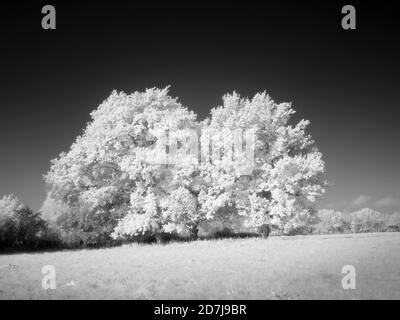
x=8, y=205
x=181, y=207
x=287, y=172
x=119, y=162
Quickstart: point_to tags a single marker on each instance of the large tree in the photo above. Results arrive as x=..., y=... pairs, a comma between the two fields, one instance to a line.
x=117, y=169
x=280, y=175
x=145, y=165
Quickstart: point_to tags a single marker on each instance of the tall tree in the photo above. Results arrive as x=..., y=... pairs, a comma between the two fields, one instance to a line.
x=118, y=168
x=280, y=175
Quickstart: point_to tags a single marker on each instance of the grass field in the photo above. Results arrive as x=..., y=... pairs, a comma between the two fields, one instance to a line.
x=302, y=267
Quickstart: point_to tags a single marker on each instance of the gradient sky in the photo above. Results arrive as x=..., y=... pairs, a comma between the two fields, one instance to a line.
x=345, y=82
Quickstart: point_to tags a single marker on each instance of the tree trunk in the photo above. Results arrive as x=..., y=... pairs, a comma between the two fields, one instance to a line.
x=159, y=238
x=194, y=230
x=264, y=230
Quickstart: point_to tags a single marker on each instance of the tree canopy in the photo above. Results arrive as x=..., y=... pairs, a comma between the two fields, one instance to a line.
x=144, y=164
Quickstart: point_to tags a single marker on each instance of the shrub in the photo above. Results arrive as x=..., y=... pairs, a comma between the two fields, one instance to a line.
x=29, y=226
x=8, y=224
x=84, y=229
x=21, y=228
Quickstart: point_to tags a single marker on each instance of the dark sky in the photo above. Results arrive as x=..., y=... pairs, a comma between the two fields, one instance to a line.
x=345, y=81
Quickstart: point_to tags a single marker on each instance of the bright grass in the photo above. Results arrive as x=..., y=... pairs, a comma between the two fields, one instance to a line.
x=302, y=267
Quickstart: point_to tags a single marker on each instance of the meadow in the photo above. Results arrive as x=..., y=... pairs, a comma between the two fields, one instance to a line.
x=296, y=267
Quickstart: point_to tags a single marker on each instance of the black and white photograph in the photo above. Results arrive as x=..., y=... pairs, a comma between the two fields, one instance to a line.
x=199, y=151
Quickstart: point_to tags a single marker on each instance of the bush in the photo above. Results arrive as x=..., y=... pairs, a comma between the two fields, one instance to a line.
x=25, y=229
x=21, y=228
x=84, y=229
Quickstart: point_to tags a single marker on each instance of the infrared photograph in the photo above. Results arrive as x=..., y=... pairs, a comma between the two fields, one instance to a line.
x=197, y=157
